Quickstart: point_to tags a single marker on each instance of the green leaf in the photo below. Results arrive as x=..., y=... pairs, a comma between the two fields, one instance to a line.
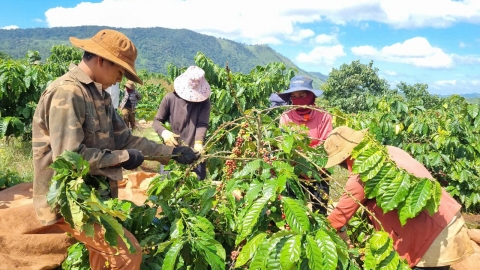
x=113, y=230
x=250, y=168
x=250, y=219
x=395, y=192
x=434, y=202
x=328, y=249
x=417, y=199
x=88, y=229
x=287, y=144
x=473, y=110
x=378, y=240
x=204, y=224
x=367, y=160
x=291, y=252
x=171, y=256
x=213, y=252
x=376, y=185
x=253, y=191
x=296, y=215
x=261, y=257
x=314, y=254
x=177, y=229
x=249, y=249
x=273, y=261
x=390, y=262
x=341, y=247
x=162, y=246
x=77, y=215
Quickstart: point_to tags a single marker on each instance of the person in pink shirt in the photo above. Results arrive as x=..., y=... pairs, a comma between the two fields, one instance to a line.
x=426, y=242
x=319, y=124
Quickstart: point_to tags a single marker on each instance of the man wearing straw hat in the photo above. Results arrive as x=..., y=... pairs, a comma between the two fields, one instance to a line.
x=75, y=113
x=426, y=242
x=129, y=104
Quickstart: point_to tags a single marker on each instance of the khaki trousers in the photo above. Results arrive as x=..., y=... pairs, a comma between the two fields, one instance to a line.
x=101, y=255
x=129, y=117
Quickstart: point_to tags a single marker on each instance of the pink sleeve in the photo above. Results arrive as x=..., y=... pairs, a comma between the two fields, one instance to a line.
x=284, y=119
x=347, y=206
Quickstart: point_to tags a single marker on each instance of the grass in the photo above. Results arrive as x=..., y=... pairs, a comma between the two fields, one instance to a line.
x=16, y=156
x=338, y=180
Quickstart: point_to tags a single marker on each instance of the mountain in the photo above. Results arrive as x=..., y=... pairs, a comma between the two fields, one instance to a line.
x=320, y=76
x=471, y=95
x=157, y=47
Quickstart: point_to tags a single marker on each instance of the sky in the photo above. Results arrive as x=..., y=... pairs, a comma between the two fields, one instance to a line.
x=436, y=42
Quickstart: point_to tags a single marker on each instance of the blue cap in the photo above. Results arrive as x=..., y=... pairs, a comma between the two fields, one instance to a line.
x=300, y=83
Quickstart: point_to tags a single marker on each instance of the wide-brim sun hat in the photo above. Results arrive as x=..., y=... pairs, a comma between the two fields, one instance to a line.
x=130, y=85
x=340, y=143
x=192, y=85
x=299, y=83
x=113, y=46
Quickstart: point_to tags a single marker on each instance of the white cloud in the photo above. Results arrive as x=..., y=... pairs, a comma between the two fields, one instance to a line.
x=365, y=51
x=390, y=73
x=322, y=55
x=38, y=20
x=326, y=39
x=446, y=82
x=10, y=27
x=462, y=44
x=252, y=20
x=455, y=86
x=301, y=35
x=475, y=82
x=415, y=51
x=466, y=60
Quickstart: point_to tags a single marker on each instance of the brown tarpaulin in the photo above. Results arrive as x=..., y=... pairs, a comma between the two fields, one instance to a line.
x=27, y=245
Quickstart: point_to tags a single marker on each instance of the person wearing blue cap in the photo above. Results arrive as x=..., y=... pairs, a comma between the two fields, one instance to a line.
x=319, y=124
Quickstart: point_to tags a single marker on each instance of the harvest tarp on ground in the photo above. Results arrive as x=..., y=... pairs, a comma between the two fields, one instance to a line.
x=27, y=245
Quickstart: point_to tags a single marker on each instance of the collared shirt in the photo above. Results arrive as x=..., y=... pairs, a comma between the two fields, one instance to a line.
x=75, y=114
x=131, y=97
x=412, y=240
x=319, y=124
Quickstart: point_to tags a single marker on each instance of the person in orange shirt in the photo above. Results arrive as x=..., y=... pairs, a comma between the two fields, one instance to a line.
x=426, y=242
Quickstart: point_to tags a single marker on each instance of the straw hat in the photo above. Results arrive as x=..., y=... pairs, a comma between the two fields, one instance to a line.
x=340, y=143
x=299, y=83
x=114, y=46
x=192, y=85
x=130, y=84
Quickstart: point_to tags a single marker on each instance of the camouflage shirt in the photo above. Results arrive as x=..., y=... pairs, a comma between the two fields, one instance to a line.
x=75, y=114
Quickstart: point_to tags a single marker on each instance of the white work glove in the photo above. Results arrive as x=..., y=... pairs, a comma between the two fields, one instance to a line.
x=198, y=146
x=169, y=138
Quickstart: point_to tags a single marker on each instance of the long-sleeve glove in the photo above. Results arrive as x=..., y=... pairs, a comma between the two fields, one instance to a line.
x=135, y=159
x=185, y=154
x=169, y=138
x=198, y=146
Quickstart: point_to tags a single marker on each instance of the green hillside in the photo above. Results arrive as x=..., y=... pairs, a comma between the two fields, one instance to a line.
x=157, y=47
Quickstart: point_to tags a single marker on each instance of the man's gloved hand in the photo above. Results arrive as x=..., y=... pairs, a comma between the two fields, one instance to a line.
x=185, y=154
x=135, y=159
x=169, y=138
x=198, y=146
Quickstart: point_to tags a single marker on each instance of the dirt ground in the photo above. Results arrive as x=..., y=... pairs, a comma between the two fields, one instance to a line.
x=472, y=221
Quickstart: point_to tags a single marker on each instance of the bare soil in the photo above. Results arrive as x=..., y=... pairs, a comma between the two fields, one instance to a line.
x=472, y=221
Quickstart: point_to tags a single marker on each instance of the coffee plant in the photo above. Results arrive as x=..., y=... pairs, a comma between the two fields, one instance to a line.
x=254, y=209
